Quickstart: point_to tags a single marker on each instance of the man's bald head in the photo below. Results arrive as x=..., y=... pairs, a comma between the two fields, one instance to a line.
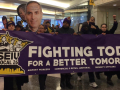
x=31, y=3
x=33, y=15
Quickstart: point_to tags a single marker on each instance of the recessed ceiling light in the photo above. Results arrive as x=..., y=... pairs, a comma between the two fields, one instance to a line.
x=16, y=4
x=114, y=4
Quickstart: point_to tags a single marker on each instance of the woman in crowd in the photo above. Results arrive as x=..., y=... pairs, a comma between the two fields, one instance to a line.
x=41, y=29
x=104, y=31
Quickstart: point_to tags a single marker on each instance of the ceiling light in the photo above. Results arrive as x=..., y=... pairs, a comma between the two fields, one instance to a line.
x=84, y=4
x=114, y=4
x=54, y=3
x=16, y=4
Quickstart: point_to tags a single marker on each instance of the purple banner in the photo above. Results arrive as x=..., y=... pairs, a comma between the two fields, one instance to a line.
x=29, y=53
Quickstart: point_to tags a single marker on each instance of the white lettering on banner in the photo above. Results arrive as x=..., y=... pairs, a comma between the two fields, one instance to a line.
x=79, y=51
x=56, y=51
x=109, y=50
x=64, y=62
x=103, y=61
x=72, y=51
x=61, y=62
x=55, y=62
x=39, y=51
x=89, y=51
x=118, y=50
x=32, y=51
x=101, y=50
x=35, y=63
x=92, y=60
x=98, y=61
x=49, y=52
x=48, y=63
x=66, y=50
x=112, y=51
x=72, y=61
x=29, y=63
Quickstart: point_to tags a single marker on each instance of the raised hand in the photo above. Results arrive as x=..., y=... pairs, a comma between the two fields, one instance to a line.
x=114, y=16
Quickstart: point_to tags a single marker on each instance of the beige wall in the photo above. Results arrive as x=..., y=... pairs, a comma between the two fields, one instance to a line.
x=105, y=15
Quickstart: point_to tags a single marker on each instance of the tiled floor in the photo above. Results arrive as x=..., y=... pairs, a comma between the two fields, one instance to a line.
x=53, y=83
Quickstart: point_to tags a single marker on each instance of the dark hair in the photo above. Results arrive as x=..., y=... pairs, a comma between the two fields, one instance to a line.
x=22, y=6
x=92, y=17
x=18, y=26
x=57, y=26
x=47, y=22
x=19, y=22
x=33, y=2
x=103, y=24
x=4, y=18
x=43, y=26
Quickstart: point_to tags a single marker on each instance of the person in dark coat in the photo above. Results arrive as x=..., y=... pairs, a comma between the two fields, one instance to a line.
x=49, y=28
x=19, y=28
x=89, y=27
x=35, y=27
x=11, y=82
x=65, y=77
x=104, y=31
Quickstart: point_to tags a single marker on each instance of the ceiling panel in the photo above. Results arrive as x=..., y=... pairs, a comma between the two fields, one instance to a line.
x=116, y=3
x=61, y=4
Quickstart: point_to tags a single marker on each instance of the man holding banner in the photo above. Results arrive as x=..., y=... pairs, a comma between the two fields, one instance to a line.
x=33, y=18
x=90, y=28
x=33, y=15
x=104, y=31
x=65, y=78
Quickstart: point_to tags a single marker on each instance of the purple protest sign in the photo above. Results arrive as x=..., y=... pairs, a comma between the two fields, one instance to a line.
x=24, y=53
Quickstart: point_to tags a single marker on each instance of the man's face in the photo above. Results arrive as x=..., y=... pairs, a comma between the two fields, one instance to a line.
x=92, y=20
x=65, y=25
x=103, y=28
x=33, y=15
x=41, y=29
x=5, y=23
x=48, y=24
x=22, y=14
x=11, y=27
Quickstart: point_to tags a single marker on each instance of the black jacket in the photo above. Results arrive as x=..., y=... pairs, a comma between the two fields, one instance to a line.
x=65, y=30
x=112, y=30
x=86, y=28
x=20, y=80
